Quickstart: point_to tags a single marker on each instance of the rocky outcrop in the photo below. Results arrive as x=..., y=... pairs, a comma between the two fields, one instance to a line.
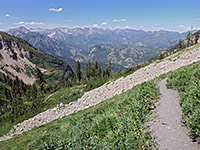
x=18, y=58
x=14, y=60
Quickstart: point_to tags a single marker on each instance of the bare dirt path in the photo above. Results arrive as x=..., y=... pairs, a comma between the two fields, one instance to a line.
x=167, y=128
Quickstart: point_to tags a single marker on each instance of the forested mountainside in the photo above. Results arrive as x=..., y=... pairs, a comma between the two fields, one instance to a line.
x=19, y=58
x=27, y=75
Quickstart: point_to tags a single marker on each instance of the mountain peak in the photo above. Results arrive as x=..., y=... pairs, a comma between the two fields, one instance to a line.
x=22, y=29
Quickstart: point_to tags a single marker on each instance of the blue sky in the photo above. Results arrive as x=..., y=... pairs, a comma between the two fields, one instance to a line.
x=176, y=15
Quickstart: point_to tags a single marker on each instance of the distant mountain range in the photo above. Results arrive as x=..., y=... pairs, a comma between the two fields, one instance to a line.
x=124, y=47
x=44, y=42
x=158, y=39
x=86, y=38
x=133, y=52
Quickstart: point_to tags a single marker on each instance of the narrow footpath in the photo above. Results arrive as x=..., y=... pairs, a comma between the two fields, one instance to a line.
x=167, y=128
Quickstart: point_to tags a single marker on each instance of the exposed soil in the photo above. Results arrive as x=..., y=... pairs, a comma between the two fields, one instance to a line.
x=168, y=131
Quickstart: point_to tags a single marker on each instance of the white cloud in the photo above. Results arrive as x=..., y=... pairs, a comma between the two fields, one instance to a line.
x=197, y=19
x=127, y=27
x=104, y=23
x=7, y=15
x=180, y=26
x=56, y=10
x=68, y=20
x=95, y=25
x=119, y=20
x=30, y=23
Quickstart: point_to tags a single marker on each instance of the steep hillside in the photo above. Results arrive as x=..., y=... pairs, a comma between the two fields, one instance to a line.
x=43, y=42
x=18, y=58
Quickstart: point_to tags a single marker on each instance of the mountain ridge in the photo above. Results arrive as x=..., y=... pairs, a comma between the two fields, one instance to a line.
x=45, y=43
x=21, y=58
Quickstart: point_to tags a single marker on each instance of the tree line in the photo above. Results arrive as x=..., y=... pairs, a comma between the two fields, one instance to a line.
x=91, y=73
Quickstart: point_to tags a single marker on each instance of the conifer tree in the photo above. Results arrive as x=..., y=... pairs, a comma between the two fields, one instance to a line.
x=99, y=71
x=78, y=71
x=104, y=73
x=96, y=68
x=108, y=69
x=92, y=73
x=180, y=44
x=88, y=70
x=39, y=78
x=189, y=39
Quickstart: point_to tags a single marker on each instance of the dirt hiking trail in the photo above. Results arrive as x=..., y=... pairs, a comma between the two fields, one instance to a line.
x=167, y=128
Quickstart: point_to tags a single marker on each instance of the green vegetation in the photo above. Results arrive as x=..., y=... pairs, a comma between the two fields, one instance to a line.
x=78, y=71
x=116, y=123
x=88, y=70
x=19, y=101
x=187, y=81
x=64, y=95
